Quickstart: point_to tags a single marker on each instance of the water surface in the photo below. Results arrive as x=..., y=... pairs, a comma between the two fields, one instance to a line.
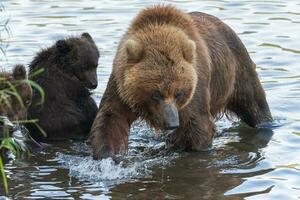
x=244, y=163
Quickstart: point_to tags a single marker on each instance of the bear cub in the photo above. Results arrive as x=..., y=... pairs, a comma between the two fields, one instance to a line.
x=69, y=73
x=16, y=94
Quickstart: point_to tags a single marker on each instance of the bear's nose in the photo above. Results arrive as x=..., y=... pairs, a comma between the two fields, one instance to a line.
x=94, y=85
x=171, y=117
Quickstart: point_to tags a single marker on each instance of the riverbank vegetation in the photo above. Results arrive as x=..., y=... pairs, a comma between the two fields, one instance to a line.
x=15, y=140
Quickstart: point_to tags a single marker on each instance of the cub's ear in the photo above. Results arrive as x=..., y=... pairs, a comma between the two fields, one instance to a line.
x=134, y=50
x=189, y=50
x=87, y=36
x=19, y=72
x=62, y=46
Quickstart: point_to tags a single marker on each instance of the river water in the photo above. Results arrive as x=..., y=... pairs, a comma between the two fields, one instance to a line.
x=244, y=163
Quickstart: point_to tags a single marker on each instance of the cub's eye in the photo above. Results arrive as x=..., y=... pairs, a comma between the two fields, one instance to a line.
x=156, y=96
x=27, y=101
x=179, y=95
x=94, y=66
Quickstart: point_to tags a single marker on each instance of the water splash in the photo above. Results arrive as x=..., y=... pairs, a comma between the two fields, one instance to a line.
x=85, y=168
x=146, y=150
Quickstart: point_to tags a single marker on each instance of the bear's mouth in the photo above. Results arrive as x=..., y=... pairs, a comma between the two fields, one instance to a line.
x=87, y=85
x=75, y=78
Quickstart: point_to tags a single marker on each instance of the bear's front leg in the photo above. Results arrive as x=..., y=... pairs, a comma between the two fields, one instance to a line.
x=195, y=133
x=110, y=130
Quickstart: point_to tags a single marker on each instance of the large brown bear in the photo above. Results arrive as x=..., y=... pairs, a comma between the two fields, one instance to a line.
x=16, y=94
x=70, y=71
x=177, y=71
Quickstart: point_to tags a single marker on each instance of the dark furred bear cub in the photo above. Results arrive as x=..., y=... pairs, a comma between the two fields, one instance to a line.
x=69, y=72
x=178, y=71
x=10, y=106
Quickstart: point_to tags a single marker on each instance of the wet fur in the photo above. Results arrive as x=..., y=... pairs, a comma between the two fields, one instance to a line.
x=219, y=73
x=68, y=110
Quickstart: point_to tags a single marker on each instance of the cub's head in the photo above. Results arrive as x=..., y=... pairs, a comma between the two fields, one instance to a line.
x=78, y=57
x=159, y=75
x=16, y=94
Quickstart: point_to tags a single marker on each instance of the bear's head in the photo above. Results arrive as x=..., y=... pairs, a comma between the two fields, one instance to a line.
x=16, y=94
x=158, y=75
x=78, y=57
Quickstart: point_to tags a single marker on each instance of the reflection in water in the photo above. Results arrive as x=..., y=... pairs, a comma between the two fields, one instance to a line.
x=244, y=163
x=209, y=174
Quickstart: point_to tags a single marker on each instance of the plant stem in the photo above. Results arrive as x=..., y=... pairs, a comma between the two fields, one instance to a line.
x=3, y=176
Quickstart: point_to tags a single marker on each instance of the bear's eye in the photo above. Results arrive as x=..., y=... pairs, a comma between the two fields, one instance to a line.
x=179, y=95
x=156, y=96
x=94, y=66
x=27, y=101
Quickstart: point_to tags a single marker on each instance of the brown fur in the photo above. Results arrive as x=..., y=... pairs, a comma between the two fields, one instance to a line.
x=193, y=61
x=70, y=71
x=10, y=106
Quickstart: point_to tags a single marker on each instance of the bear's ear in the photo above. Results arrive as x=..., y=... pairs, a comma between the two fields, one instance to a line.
x=189, y=50
x=87, y=36
x=134, y=50
x=19, y=72
x=62, y=46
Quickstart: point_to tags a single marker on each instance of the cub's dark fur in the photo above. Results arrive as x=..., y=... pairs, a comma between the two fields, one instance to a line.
x=69, y=72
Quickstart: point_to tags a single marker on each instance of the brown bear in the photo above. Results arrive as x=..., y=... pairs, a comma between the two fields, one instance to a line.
x=178, y=71
x=16, y=94
x=70, y=71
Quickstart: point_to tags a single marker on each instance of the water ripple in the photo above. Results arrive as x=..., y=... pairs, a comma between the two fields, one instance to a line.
x=243, y=163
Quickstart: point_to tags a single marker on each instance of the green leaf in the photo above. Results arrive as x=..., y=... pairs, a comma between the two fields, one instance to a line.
x=11, y=145
x=37, y=72
x=15, y=93
x=3, y=176
x=39, y=88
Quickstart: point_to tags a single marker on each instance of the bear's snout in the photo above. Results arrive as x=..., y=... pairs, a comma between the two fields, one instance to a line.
x=93, y=85
x=170, y=116
x=91, y=79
